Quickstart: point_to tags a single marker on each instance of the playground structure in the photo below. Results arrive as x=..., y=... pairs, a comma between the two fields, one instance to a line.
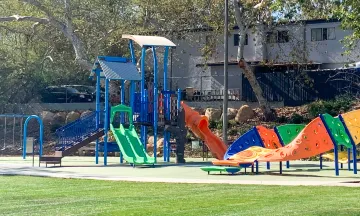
x=143, y=104
x=147, y=107
x=287, y=142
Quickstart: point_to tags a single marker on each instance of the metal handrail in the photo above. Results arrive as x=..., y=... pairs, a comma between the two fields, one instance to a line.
x=76, y=131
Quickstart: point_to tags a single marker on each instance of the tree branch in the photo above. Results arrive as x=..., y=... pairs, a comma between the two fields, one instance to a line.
x=66, y=29
x=24, y=18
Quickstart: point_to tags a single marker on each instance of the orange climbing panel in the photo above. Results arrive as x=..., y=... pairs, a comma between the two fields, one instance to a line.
x=269, y=137
x=312, y=140
x=247, y=156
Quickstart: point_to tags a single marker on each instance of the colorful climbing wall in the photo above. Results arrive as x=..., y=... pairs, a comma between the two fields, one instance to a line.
x=313, y=140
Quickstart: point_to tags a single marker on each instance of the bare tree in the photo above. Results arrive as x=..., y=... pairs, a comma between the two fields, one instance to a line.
x=247, y=15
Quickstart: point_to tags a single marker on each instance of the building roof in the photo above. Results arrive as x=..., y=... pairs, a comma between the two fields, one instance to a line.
x=150, y=40
x=256, y=63
x=115, y=68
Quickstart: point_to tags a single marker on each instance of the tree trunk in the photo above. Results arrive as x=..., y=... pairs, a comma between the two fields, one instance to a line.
x=247, y=69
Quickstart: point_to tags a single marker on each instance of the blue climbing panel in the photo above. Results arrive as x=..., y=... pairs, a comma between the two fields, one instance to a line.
x=247, y=140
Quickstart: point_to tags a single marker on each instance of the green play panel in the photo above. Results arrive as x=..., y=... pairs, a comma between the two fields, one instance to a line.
x=220, y=169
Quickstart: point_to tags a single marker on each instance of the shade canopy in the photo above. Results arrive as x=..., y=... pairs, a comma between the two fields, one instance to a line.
x=116, y=68
x=150, y=40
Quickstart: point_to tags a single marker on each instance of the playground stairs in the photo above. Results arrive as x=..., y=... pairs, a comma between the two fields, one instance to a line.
x=74, y=136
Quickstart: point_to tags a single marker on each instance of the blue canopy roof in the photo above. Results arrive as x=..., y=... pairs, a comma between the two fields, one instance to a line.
x=116, y=68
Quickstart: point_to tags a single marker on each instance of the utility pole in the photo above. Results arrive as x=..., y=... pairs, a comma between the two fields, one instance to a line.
x=226, y=84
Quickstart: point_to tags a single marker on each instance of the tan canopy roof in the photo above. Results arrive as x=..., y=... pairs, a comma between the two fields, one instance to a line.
x=150, y=40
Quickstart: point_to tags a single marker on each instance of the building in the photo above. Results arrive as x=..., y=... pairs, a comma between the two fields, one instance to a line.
x=309, y=45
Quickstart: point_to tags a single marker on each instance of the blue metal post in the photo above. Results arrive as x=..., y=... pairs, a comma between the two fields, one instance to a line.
x=178, y=100
x=166, y=104
x=41, y=133
x=335, y=146
x=341, y=164
x=352, y=143
x=145, y=108
x=122, y=100
x=321, y=161
x=106, y=120
x=349, y=161
x=268, y=165
x=132, y=94
x=155, y=123
x=97, y=113
x=132, y=85
x=132, y=52
x=143, y=96
x=122, y=116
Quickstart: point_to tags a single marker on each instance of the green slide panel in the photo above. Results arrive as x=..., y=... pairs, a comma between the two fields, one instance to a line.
x=289, y=132
x=128, y=141
x=137, y=146
x=337, y=130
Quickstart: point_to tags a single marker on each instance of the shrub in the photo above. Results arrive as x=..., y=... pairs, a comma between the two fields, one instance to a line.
x=297, y=119
x=212, y=124
x=333, y=107
x=233, y=132
x=282, y=119
x=232, y=123
x=219, y=125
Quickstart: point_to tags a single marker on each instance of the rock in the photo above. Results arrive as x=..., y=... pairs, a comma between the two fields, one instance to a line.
x=201, y=111
x=160, y=143
x=213, y=114
x=231, y=114
x=245, y=113
x=151, y=140
x=150, y=147
x=59, y=118
x=72, y=116
x=85, y=113
x=47, y=118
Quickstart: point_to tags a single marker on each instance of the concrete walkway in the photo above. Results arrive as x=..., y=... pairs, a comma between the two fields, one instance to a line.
x=300, y=173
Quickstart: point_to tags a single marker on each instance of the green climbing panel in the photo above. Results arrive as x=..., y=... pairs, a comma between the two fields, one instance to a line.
x=288, y=132
x=337, y=130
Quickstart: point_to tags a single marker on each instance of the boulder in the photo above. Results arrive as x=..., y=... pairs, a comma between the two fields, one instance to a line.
x=213, y=114
x=59, y=118
x=201, y=111
x=231, y=114
x=72, y=116
x=47, y=118
x=151, y=140
x=160, y=143
x=85, y=113
x=245, y=113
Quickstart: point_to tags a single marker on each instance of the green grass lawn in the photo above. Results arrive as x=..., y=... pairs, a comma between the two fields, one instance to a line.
x=51, y=196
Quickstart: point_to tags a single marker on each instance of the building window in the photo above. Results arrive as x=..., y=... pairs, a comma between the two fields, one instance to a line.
x=283, y=37
x=237, y=39
x=277, y=37
x=322, y=34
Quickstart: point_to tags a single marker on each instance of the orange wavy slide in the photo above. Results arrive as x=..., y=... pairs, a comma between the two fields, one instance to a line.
x=269, y=139
x=199, y=125
x=312, y=140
